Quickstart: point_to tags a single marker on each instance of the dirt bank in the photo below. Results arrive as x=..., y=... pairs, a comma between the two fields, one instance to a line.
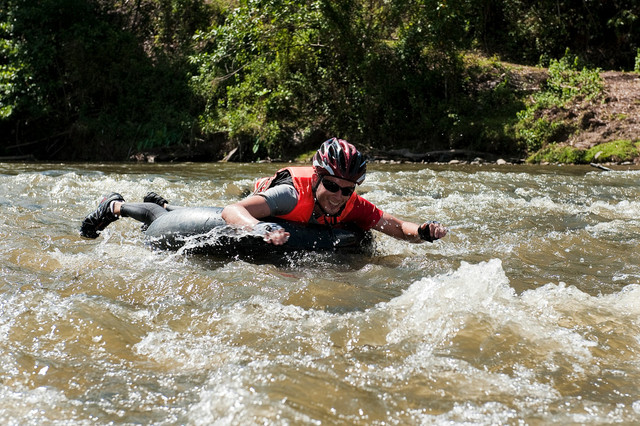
x=616, y=116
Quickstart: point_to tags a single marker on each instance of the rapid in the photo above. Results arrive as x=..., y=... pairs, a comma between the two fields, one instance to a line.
x=528, y=312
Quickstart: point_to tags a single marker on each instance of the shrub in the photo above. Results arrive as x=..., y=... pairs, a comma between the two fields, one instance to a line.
x=566, y=83
x=555, y=153
x=620, y=150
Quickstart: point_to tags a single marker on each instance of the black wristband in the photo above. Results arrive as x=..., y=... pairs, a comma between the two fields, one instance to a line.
x=425, y=233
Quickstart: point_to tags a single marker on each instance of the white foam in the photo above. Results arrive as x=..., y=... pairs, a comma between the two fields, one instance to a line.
x=41, y=405
x=435, y=309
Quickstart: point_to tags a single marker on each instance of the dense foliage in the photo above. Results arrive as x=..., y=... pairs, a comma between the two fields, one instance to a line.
x=278, y=72
x=104, y=79
x=84, y=79
x=604, y=33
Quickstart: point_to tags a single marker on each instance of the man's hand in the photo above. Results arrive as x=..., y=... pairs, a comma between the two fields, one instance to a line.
x=271, y=233
x=431, y=231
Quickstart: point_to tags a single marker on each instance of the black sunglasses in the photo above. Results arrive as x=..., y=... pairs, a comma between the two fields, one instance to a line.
x=334, y=187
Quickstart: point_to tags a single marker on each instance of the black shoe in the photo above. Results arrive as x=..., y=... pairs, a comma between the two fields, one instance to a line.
x=99, y=219
x=154, y=198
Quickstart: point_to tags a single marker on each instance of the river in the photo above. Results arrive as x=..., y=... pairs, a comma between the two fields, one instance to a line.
x=528, y=312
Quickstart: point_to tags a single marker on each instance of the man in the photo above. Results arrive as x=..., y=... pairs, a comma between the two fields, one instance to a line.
x=323, y=193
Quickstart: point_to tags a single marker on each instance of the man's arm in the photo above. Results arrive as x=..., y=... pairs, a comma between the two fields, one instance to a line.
x=409, y=231
x=247, y=214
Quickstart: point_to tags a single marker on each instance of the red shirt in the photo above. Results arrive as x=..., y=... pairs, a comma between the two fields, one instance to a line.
x=364, y=214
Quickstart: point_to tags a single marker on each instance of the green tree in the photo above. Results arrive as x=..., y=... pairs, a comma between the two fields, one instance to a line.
x=89, y=79
x=371, y=71
x=604, y=33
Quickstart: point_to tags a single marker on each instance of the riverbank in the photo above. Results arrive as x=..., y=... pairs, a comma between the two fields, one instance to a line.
x=603, y=130
x=617, y=117
x=607, y=128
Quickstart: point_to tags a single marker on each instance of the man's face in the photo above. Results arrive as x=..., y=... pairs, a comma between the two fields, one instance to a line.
x=332, y=202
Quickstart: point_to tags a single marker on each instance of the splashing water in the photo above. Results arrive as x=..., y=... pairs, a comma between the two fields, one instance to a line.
x=527, y=312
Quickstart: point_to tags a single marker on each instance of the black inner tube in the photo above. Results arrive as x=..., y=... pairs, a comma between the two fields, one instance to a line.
x=202, y=230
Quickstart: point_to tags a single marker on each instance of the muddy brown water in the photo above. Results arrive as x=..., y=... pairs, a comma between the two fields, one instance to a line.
x=528, y=312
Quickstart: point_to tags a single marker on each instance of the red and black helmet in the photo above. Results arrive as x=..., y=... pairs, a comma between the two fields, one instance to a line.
x=337, y=157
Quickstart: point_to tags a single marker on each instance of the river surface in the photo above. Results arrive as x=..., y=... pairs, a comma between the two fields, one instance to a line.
x=528, y=312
